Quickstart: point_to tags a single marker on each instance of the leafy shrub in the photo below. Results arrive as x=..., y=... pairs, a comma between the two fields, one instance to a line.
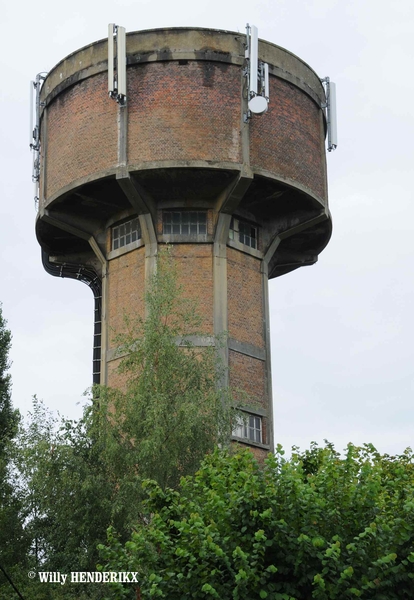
x=315, y=526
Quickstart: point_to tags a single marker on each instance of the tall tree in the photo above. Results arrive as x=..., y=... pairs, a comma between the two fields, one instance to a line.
x=81, y=477
x=173, y=410
x=8, y=417
x=67, y=497
x=12, y=537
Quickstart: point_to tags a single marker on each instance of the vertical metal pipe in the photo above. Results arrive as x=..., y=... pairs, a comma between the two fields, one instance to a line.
x=266, y=81
x=32, y=85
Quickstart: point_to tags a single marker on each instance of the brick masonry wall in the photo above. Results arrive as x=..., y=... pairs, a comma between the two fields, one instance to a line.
x=194, y=264
x=187, y=111
x=126, y=290
x=126, y=295
x=287, y=139
x=245, y=298
x=82, y=136
x=248, y=375
x=258, y=453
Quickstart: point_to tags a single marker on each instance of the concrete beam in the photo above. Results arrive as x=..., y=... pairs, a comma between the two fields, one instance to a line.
x=268, y=362
x=136, y=195
x=288, y=232
x=220, y=303
x=230, y=198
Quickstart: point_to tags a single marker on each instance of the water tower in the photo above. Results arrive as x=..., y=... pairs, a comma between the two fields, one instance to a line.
x=209, y=140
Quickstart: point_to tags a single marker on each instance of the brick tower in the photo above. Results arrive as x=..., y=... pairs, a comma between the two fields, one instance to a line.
x=241, y=197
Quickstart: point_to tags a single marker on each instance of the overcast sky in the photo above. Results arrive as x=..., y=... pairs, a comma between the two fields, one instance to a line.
x=342, y=330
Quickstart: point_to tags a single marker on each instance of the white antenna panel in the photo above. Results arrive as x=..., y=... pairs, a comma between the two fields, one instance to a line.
x=247, y=51
x=333, y=132
x=121, y=60
x=254, y=58
x=117, y=54
x=111, y=58
x=257, y=73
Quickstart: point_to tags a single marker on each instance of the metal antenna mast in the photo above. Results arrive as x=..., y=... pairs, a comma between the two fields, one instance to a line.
x=330, y=105
x=35, y=106
x=257, y=73
x=117, y=78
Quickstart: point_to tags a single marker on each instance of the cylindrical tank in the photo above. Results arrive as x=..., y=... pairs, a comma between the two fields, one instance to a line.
x=241, y=197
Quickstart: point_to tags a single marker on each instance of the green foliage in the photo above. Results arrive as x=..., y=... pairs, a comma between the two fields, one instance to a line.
x=13, y=542
x=78, y=478
x=65, y=504
x=9, y=418
x=67, y=497
x=315, y=526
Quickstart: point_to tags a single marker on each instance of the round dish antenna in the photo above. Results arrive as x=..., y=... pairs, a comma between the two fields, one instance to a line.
x=258, y=105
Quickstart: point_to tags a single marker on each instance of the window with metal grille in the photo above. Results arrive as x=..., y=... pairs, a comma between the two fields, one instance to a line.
x=126, y=233
x=243, y=232
x=251, y=429
x=184, y=222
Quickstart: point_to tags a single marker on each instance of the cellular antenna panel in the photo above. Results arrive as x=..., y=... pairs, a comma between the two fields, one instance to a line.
x=257, y=73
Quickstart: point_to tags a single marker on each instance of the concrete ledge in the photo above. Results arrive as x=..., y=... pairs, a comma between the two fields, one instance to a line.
x=252, y=410
x=250, y=443
x=125, y=249
x=246, y=249
x=247, y=349
x=178, y=238
x=192, y=340
x=196, y=341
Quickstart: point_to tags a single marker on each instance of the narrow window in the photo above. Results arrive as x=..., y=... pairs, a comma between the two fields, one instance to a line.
x=184, y=222
x=126, y=233
x=251, y=429
x=243, y=232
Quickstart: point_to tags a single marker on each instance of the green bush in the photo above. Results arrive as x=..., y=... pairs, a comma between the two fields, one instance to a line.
x=315, y=526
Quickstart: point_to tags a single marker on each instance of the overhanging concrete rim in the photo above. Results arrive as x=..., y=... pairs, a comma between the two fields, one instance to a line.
x=78, y=183
x=290, y=183
x=95, y=56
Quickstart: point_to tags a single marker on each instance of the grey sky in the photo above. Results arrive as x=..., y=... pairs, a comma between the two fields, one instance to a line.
x=341, y=330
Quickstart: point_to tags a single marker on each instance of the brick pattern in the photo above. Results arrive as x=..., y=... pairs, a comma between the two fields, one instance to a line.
x=245, y=298
x=126, y=290
x=185, y=111
x=182, y=112
x=82, y=133
x=195, y=274
x=248, y=375
x=287, y=139
x=126, y=293
x=259, y=454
